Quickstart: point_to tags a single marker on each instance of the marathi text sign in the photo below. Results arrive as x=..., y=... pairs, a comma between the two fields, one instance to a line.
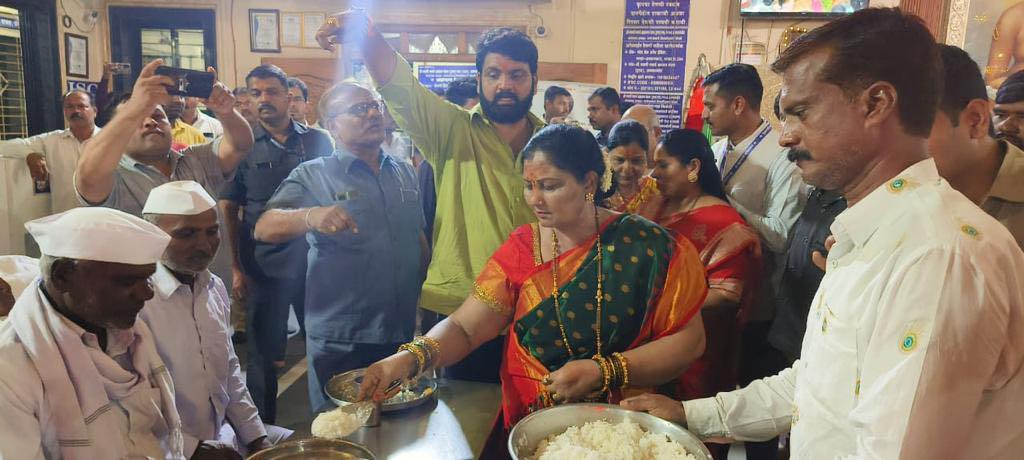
x=437, y=75
x=654, y=56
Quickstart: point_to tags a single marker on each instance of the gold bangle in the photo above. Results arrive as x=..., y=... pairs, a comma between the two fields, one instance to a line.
x=605, y=371
x=431, y=346
x=421, y=359
x=624, y=362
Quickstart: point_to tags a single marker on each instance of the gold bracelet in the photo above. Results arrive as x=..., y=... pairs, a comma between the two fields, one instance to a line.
x=624, y=363
x=605, y=371
x=421, y=359
x=431, y=346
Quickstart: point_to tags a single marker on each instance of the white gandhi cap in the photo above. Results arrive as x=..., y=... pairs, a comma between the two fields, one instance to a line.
x=101, y=234
x=181, y=198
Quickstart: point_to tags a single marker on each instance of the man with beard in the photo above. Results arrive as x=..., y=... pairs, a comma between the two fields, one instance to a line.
x=189, y=319
x=475, y=153
x=361, y=213
x=915, y=338
x=988, y=171
x=604, y=109
x=52, y=156
x=183, y=135
x=81, y=378
x=271, y=276
x=557, y=104
x=133, y=152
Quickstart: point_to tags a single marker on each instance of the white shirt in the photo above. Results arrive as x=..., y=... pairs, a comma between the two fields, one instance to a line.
x=914, y=343
x=193, y=336
x=768, y=192
x=209, y=126
x=61, y=150
x=26, y=415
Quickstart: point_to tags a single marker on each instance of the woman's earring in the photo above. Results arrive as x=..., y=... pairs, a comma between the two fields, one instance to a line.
x=589, y=197
x=692, y=177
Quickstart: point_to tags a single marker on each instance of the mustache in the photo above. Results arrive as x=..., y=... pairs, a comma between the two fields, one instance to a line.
x=795, y=155
x=267, y=106
x=506, y=95
x=75, y=116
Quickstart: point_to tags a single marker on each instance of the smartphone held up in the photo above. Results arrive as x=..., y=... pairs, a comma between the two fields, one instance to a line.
x=190, y=83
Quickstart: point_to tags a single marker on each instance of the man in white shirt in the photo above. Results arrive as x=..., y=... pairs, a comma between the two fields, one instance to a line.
x=81, y=378
x=765, y=188
x=209, y=126
x=915, y=339
x=189, y=317
x=52, y=156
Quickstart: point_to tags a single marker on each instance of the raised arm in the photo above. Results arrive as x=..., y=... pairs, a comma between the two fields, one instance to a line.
x=426, y=117
x=94, y=176
x=238, y=139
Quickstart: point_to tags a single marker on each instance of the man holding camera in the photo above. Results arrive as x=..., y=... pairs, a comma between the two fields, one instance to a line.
x=132, y=154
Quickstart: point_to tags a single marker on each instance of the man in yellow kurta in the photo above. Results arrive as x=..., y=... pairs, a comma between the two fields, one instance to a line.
x=475, y=155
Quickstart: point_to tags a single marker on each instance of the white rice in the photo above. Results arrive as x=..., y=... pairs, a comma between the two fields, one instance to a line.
x=334, y=424
x=600, y=440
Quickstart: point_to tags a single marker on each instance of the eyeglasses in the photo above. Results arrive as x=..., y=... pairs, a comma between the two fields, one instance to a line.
x=361, y=109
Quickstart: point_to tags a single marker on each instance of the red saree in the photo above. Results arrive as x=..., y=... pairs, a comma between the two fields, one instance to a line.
x=729, y=250
x=653, y=285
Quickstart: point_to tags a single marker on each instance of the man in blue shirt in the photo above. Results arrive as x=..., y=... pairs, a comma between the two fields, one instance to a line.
x=361, y=212
x=270, y=275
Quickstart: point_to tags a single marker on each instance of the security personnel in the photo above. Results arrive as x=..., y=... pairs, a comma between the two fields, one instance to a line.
x=273, y=275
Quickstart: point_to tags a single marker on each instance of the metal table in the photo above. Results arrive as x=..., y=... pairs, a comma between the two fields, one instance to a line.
x=455, y=426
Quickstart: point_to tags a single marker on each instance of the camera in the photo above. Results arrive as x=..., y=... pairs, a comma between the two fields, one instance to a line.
x=540, y=31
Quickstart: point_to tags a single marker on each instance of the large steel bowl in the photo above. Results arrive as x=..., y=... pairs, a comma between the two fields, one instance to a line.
x=315, y=449
x=343, y=388
x=525, y=435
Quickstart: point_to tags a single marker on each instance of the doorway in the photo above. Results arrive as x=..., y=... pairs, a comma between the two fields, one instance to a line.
x=181, y=37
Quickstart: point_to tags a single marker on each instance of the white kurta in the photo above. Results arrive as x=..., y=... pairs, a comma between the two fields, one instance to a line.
x=768, y=192
x=209, y=126
x=193, y=336
x=30, y=406
x=61, y=150
x=914, y=341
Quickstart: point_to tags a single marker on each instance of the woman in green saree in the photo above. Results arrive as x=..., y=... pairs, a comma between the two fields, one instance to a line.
x=594, y=301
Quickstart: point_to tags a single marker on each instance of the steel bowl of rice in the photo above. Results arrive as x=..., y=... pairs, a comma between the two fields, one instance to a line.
x=600, y=432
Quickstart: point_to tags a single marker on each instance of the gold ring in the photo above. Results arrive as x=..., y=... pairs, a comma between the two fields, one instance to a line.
x=332, y=21
x=332, y=229
x=557, y=397
x=547, y=380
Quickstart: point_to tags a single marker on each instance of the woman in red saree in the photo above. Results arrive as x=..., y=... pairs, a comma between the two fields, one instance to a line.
x=581, y=285
x=635, y=191
x=694, y=206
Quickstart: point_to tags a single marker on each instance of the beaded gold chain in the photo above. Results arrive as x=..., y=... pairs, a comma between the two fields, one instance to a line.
x=555, y=252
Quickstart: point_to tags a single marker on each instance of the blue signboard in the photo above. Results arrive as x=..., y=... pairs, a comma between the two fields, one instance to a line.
x=654, y=56
x=437, y=75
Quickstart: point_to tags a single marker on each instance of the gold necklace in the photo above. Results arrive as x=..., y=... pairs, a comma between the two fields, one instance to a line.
x=556, y=251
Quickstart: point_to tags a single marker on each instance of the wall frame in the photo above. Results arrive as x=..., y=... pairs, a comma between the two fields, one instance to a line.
x=76, y=55
x=987, y=30
x=264, y=31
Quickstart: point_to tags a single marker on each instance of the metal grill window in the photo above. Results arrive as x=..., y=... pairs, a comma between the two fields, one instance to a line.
x=13, y=119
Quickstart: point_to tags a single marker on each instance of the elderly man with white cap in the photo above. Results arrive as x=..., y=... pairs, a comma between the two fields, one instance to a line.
x=81, y=379
x=189, y=317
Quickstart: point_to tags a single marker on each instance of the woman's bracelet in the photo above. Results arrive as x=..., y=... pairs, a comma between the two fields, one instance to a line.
x=421, y=358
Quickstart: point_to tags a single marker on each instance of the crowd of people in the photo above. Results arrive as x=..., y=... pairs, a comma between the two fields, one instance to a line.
x=854, y=279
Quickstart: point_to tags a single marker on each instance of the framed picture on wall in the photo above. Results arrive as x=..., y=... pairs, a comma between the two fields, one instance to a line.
x=76, y=55
x=264, y=31
x=988, y=30
x=311, y=22
x=291, y=29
